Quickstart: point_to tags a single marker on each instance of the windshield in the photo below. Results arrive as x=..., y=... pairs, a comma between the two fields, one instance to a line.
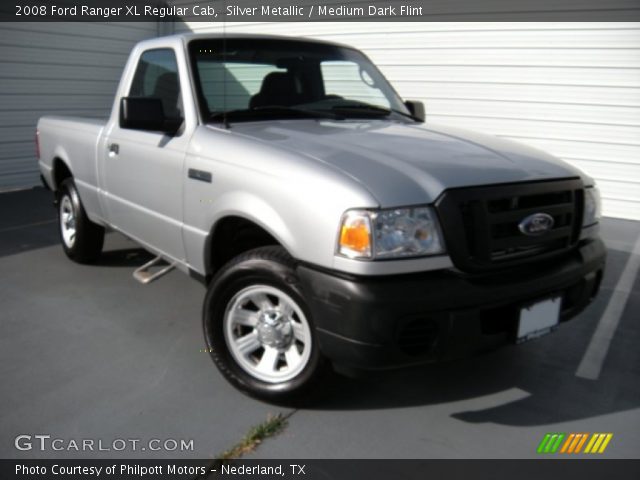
x=257, y=78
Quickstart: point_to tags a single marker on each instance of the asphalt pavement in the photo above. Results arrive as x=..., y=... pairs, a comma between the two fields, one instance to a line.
x=87, y=353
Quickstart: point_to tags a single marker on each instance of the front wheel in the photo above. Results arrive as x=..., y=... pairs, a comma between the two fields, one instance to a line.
x=258, y=327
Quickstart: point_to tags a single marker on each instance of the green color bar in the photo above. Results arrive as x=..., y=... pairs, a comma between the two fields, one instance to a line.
x=547, y=448
x=543, y=443
x=556, y=445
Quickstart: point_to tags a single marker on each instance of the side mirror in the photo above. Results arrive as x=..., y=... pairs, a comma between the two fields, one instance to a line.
x=146, y=114
x=416, y=109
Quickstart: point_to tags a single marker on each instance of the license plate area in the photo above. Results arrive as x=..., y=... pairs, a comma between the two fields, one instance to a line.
x=538, y=319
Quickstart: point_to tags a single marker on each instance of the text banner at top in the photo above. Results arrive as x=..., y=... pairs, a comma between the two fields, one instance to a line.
x=318, y=10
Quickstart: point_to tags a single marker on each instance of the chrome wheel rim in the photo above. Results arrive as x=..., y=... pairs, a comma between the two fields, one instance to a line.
x=267, y=334
x=67, y=221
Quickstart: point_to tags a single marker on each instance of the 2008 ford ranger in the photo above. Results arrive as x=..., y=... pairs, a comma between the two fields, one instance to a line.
x=330, y=223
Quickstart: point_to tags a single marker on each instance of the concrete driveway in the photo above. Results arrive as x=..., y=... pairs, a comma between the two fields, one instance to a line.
x=86, y=352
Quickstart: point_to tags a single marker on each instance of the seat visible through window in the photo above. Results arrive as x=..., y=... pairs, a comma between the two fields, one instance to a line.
x=278, y=89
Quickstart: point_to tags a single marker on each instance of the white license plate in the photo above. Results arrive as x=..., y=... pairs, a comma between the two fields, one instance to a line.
x=538, y=319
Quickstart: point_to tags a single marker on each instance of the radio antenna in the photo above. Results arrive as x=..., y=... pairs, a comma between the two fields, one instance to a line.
x=225, y=121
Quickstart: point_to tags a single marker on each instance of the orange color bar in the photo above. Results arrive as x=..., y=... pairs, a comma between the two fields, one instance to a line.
x=567, y=442
x=575, y=442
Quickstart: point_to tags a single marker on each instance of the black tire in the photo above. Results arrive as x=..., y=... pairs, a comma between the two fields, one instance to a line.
x=270, y=268
x=86, y=245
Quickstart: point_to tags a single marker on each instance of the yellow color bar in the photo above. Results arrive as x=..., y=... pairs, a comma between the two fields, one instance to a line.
x=591, y=442
x=596, y=445
x=605, y=442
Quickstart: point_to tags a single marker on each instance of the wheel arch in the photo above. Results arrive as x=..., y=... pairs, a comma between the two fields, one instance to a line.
x=232, y=235
x=60, y=172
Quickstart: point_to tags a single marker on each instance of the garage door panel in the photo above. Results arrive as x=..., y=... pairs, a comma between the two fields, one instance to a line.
x=56, y=103
x=13, y=86
x=50, y=56
x=130, y=31
x=626, y=191
x=64, y=42
x=506, y=75
x=589, y=57
x=53, y=68
x=29, y=118
x=581, y=150
x=577, y=113
x=69, y=72
x=546, y=129
x=610, y=171
x=492, y=39
x=546, y=94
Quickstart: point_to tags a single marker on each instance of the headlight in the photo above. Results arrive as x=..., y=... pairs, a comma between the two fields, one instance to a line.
x=392, y=233
x=592, y=206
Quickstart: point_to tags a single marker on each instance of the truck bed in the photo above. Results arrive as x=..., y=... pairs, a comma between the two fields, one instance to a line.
x=74, y=140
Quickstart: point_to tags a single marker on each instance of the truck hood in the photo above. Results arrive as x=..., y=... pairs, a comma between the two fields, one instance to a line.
x=405, y=164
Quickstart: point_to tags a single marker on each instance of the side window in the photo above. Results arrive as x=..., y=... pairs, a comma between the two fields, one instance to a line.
x=157, y=77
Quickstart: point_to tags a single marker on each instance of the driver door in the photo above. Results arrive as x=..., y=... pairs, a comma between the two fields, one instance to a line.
x=142, y=170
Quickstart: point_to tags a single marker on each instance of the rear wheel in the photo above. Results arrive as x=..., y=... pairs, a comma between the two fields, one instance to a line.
x=82, y=240
x=258, y=327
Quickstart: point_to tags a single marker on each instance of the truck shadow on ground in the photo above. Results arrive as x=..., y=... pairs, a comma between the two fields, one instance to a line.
x=28, y=221
x=530, y=384
x=126, y=257
x=548, y=396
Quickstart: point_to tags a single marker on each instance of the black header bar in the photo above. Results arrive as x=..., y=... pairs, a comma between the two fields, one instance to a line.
x=318, y=10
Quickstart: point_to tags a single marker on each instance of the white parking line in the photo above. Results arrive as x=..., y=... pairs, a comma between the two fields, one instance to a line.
x=596, y=353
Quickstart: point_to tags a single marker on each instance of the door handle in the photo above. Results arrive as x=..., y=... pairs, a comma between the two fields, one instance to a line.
x=114, y=149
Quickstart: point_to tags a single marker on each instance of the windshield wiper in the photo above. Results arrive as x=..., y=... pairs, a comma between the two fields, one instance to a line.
x=272, y=110
x=374, y=109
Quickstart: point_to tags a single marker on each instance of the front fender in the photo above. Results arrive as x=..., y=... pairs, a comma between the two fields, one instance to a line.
x=235, y=204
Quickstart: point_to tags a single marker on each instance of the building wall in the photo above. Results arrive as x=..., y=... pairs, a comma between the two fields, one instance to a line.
x=56, y=68
x=572, y=89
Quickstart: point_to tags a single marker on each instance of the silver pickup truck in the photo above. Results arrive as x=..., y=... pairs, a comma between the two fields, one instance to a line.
x=330, y=223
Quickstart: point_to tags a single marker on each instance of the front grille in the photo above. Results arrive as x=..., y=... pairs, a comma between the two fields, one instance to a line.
x=481, y=223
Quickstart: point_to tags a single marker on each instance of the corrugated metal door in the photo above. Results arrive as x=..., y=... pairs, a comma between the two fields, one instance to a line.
x=56, y=68
x=572, y=89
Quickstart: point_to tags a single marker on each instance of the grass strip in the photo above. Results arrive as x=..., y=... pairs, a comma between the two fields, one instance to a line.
x=273, y=425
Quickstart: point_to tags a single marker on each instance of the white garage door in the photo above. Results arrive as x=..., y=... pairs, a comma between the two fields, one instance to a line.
x=572, y=89
x=55, y=68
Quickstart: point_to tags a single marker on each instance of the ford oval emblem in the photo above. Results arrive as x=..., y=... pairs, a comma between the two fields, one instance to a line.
x=536, y=224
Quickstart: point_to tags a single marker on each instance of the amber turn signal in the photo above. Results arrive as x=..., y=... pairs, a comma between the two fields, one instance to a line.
x=355, y=235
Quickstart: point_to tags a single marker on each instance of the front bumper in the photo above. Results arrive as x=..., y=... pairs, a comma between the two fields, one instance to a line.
x=400, y=320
